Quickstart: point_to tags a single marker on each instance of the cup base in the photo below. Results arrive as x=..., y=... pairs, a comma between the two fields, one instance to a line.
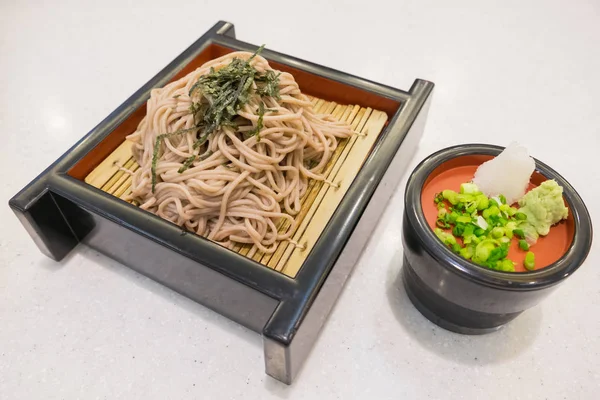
x=446, y=314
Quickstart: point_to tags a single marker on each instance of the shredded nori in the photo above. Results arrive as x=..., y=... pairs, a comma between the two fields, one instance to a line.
x=259, y=123
x=186, y=164
x=221, y=95
x=268, y=85
x=190, y=160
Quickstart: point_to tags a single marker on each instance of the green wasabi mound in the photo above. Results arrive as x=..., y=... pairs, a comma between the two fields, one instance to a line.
x=544, y=206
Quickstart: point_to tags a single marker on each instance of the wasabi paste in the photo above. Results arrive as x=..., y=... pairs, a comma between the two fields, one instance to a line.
x=544, y=206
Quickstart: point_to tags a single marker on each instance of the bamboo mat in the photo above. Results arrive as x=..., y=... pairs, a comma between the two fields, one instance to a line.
x=319, y=202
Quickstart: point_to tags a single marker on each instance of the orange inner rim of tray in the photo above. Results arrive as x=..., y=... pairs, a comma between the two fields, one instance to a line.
x=451, y=174
x=310, y=84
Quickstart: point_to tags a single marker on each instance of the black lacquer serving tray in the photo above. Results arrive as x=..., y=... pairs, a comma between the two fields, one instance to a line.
x=60, y=208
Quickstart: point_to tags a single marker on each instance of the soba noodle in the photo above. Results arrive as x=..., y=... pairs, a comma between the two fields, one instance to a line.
x=240, y=186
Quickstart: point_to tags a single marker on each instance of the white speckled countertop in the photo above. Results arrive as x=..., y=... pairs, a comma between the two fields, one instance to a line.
x=90, y=328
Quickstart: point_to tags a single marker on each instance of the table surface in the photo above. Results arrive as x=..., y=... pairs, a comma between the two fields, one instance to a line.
x=89, y=327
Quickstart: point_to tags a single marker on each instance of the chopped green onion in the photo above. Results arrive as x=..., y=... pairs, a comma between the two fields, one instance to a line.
x=465, y=198
x=469, y=188
x=529, y=262
x=482, y=223
x=467, y=252
x=468, y=230
x=442, y=223
x=465, y=219
x=451, y=196
x=519, y=233
x=497, y=232
x=481, y=228
x=482, y=202
x=445, y=237
x=442, y=212
x=492, y=211
x=453, y=216
x=484, y=249
x=458, y=229
x=521, y=216
x=499, y=252
x=508, y=210
x=506, y=265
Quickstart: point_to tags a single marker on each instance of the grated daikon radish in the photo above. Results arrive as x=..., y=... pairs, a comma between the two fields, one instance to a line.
x=507, y=174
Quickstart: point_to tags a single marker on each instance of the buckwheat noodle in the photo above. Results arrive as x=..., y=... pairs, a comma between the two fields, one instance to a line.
x=239, y=189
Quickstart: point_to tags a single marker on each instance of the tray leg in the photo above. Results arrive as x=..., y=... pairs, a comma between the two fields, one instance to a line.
x=47, y=224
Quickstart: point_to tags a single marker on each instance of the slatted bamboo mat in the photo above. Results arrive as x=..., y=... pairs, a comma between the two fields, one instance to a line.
x=319, y=202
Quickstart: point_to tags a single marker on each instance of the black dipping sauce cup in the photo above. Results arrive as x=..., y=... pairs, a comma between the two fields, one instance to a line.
x=459, y=295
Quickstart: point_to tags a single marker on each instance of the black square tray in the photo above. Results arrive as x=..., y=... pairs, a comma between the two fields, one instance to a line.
x=59, y=210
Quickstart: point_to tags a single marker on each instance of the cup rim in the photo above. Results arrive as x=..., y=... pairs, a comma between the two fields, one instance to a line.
x=550, y=275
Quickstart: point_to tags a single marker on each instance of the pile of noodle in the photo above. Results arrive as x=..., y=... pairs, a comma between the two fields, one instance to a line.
x=240, y=188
